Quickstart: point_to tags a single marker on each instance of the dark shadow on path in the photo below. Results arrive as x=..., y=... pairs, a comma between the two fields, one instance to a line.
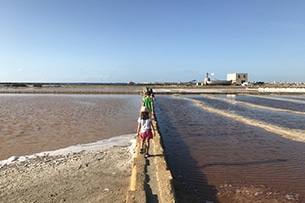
x=150, y=197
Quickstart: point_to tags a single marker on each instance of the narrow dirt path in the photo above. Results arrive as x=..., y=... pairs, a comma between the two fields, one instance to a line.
x=151, y=180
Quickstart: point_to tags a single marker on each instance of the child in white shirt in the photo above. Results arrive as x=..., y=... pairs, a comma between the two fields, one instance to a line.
x=145, y=130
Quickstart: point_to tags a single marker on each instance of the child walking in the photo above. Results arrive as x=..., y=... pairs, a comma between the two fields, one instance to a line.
x=145, y=130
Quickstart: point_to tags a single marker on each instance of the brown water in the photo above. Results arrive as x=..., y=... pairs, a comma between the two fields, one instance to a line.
x=31, y=123
x=206, y=151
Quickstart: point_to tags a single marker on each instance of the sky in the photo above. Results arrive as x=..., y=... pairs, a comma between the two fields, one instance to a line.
x=102, y=41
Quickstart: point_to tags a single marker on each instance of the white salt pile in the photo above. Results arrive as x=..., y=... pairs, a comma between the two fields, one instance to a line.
x=121, y=141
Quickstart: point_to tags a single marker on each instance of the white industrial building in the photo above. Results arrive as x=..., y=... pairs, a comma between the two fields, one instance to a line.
x=238, y=78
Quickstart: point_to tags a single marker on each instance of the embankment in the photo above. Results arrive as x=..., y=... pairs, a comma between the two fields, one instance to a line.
x=151, y=180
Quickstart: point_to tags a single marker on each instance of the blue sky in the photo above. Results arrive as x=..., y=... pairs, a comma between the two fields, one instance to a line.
x=151, y=40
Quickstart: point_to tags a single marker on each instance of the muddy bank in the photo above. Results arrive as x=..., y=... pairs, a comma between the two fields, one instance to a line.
x=101, y=176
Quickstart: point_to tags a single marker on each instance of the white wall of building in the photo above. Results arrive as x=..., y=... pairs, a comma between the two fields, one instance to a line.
x=238, y=78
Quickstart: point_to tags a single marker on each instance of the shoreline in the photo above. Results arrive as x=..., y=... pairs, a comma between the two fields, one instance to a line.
x=158, y=89
x=127, y=140
x=92, y=173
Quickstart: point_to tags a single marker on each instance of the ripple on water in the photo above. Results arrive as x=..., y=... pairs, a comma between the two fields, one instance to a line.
x=283, y=119
x=206, y=150
x=33, y=123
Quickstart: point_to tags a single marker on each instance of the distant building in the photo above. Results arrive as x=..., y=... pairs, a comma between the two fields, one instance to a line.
x=238, y=78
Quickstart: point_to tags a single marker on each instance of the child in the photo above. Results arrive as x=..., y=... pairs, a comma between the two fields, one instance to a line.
x=145, y=130
x=148, y=102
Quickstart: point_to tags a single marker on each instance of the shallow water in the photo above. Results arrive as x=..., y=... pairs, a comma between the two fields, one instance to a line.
x=32, y=123
x=270, y=102
x=283, y=119
x=205, y=151
x=293, y=97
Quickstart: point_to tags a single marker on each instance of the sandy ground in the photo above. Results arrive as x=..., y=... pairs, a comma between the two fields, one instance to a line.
x=102, y=176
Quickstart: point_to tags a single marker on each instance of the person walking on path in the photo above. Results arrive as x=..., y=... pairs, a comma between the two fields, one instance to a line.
x=145, y=130
x=148, y=102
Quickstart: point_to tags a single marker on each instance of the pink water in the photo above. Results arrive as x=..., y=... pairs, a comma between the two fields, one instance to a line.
x=32, y=123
